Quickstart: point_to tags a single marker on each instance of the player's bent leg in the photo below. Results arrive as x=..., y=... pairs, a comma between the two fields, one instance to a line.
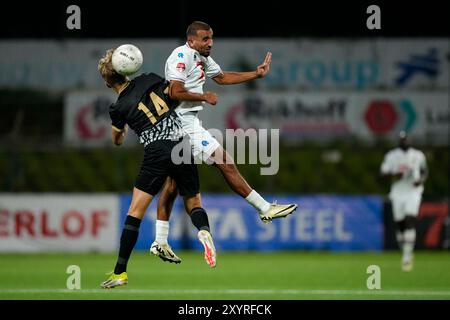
x=409, y=239
x=139, y=203
x=160, y=247
x=199, y=219
x=267, y=212
x=166, y=199
x=400, y=229
x=223, y=161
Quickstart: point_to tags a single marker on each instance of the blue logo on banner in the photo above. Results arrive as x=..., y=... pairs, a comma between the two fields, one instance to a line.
x=427, y=64
x=338, y=223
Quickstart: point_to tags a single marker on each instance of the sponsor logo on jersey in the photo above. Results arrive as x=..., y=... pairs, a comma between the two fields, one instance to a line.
x=181, y=66
x=205, y=143
x=180, y=55
x=202, y=68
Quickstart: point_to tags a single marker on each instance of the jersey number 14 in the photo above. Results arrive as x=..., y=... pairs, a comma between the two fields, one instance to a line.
x=160, y=107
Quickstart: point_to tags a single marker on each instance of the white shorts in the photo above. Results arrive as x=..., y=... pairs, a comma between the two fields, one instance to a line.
x=403, y=205
x=203, y=144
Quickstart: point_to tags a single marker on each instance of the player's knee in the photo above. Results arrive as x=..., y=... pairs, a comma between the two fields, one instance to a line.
x=191, y=202
x=136, y=212
x=410, y=222
x=400, y=225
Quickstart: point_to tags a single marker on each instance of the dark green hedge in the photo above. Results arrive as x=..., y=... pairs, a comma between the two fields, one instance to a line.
x=304, y=169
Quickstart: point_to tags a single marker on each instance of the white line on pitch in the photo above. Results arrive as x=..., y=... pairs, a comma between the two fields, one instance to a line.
x=237, y=291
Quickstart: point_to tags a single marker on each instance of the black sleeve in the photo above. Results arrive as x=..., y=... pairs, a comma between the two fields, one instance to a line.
x=116, y=119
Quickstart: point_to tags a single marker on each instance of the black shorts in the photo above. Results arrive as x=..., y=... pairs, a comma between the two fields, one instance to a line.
x=157, y=166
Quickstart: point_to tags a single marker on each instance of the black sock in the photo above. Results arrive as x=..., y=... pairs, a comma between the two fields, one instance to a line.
x=128, y=239
x=200, y=219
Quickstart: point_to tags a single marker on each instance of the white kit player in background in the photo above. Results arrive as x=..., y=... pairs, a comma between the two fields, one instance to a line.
x=187, y=68
x=408, y=167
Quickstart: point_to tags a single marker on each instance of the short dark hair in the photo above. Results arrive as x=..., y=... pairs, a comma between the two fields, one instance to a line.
x=195, y=26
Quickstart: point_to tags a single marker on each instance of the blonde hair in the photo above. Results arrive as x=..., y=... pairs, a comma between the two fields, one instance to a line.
x=107, y=72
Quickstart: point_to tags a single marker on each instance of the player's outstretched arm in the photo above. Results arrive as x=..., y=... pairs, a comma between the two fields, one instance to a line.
x=229, y=77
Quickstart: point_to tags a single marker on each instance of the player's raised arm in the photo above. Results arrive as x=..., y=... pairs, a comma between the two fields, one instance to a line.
x=177, y=91
x=230, y=77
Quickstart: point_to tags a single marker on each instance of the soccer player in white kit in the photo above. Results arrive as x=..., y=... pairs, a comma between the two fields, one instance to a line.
x=187, y=68
x=408, y=167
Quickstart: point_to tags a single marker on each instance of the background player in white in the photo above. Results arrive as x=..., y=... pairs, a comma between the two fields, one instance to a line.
x=187, y=68
x=409, y=170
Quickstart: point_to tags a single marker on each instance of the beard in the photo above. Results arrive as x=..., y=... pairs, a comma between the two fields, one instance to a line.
x=205, y=53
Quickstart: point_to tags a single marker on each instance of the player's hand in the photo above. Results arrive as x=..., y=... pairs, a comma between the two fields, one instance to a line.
x=263, y=68
x=210, y=97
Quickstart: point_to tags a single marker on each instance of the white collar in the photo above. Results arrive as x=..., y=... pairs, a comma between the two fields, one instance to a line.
x=200, y=56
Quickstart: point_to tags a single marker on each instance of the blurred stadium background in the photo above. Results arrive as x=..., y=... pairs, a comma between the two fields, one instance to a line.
x=339, y=100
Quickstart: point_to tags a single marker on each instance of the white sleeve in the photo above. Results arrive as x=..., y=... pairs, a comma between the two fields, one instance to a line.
x=386, y=166
x=177, y=66
x=212, y=68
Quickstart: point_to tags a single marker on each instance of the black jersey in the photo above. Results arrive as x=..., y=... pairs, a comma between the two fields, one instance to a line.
x=147, y=109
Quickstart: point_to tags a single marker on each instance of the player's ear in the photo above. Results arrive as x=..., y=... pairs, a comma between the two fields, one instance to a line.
x=190, y=41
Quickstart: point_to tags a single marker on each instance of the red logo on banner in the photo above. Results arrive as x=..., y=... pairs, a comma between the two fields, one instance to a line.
x=86, y=127
x=381, y=116
x=73, y=224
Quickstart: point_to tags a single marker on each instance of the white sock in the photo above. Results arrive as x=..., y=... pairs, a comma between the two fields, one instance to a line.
x=162, y=231
x=258, y=202
x=409, y=239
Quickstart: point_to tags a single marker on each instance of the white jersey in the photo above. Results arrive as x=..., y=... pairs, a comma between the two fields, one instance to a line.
x=410, y=162
x=187, y=65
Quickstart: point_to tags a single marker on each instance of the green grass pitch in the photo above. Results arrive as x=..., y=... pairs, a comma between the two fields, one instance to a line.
x=290, y=275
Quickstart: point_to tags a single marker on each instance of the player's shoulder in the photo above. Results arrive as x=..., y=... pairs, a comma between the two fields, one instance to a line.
x=148, y=78
x=418, y=152
x=144, y=82
x=392, y=152
x=182, y=52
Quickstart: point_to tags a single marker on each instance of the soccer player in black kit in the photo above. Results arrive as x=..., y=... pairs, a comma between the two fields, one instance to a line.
x=145, y=106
